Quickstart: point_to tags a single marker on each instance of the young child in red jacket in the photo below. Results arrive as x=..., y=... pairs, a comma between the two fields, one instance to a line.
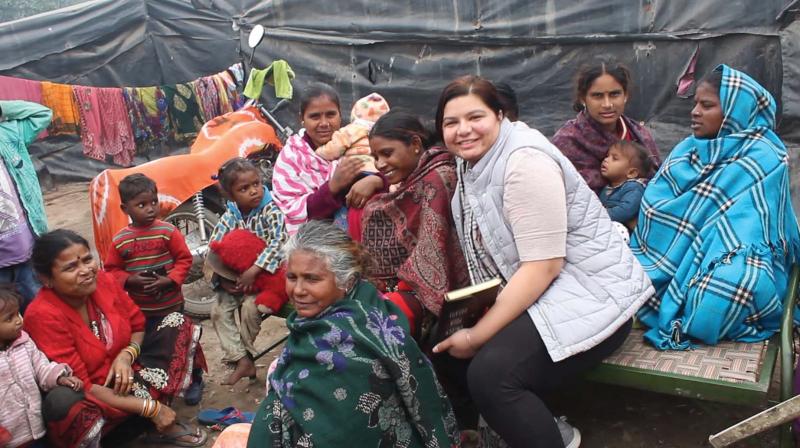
x=150, y=259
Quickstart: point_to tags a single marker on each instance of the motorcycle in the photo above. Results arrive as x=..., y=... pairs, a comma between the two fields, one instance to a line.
x=189, y=197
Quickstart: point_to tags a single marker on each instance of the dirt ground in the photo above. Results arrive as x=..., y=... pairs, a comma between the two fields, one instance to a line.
x=607, y=416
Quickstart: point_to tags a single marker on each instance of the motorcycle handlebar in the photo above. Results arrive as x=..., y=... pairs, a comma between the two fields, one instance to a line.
x=280, y=105
x=285, y=130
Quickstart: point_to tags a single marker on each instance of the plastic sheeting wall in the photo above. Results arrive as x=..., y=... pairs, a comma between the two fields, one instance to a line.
x=112, y=43
x=409, y=50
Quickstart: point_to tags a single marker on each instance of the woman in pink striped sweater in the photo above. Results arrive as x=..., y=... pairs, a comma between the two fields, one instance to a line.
x=306, y=186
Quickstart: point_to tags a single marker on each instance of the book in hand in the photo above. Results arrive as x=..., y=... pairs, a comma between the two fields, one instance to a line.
x=463, y=308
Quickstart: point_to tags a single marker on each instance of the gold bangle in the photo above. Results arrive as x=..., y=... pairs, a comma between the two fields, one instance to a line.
x=145, y=407
x=131, y=352
x=154, y=408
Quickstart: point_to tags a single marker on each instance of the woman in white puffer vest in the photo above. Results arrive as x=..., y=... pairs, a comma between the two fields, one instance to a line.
x=571, y=285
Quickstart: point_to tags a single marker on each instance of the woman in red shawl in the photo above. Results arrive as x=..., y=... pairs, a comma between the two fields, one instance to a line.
x=83, y=318
x=601, y=92
x=410, y=235
x=409, y=230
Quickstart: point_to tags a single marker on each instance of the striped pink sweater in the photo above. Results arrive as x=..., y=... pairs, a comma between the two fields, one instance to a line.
x=299, y=171
x=23, y=370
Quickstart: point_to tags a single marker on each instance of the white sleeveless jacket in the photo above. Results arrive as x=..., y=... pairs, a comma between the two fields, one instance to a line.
x=601, y=285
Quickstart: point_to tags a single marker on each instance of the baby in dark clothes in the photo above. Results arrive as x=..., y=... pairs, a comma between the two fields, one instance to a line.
x=625, y=168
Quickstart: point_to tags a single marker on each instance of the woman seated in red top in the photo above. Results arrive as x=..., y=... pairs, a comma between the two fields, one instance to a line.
x=83, y=318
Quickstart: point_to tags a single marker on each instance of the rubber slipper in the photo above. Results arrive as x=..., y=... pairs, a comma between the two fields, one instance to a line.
x=227, y=416
x=175, y=437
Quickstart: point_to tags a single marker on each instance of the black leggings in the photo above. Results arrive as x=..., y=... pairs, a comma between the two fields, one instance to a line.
x=509, y=373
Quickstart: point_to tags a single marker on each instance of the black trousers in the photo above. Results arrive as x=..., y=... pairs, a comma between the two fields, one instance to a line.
x=509, y=373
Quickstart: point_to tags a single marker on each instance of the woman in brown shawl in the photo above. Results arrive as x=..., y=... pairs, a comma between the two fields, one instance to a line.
x=601, y=92
x=409, y=230
x=410, y=235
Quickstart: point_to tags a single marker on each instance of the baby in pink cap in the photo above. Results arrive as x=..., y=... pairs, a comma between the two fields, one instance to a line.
x=351, y=140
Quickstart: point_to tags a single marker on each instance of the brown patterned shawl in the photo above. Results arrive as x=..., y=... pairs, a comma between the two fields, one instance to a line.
x=411, y=235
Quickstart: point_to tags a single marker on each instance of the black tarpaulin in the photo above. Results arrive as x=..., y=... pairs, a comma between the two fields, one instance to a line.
x=408, y=51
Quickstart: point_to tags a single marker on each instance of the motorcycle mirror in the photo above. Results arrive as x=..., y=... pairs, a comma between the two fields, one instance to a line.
x=256, y=36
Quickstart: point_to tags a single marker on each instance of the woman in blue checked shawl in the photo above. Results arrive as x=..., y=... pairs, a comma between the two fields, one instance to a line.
x=717, y=233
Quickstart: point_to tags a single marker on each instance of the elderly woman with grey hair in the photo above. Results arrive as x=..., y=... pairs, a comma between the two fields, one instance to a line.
x=349, y=375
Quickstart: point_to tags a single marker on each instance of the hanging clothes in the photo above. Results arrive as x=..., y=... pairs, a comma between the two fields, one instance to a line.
x=207, y=97
x=234, y=80
x=148, y=117
x=60, y=99
x=91, y=121
x=222, y=91
x=280, y=75
x=255, y=83
x=184, y=111
x=201, y=109
x=155, y=111
x=105, y=124
x=237, y=72
x=119, y=140
x=141, y=131
x=21, y=89
x=236, y=100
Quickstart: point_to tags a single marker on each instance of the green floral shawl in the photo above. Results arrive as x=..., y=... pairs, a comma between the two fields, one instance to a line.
x=352, y=377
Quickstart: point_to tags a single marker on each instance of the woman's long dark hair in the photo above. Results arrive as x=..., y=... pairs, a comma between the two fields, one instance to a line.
x=402, y=126
x=48, y=246
x=318, y=90
x=589, y=73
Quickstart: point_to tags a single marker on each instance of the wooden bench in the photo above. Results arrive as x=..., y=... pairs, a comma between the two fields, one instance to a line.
x=729, y=372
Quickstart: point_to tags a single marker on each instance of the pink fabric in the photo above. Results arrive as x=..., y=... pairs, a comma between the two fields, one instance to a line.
x=687, y=79
x=91, y=121
x=208, y=97
x=298, y=173
x=234, y=436
x=105, y=124
x=24, y=369
x=21, y=89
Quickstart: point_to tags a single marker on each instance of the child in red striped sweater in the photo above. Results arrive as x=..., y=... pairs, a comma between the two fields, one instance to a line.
x=151, y=260
x=149, y=257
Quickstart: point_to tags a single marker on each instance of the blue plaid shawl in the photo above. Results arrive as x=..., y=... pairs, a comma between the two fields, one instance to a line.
x=717, y=233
